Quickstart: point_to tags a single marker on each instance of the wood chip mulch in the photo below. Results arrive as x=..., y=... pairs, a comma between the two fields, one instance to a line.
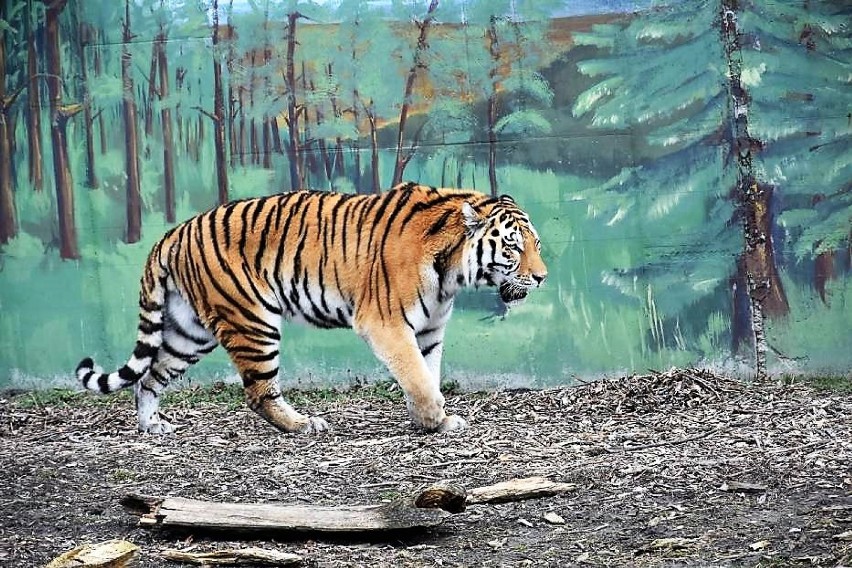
x=676, y=468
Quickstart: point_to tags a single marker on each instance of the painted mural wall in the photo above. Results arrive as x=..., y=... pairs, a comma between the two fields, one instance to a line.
x=688, y=165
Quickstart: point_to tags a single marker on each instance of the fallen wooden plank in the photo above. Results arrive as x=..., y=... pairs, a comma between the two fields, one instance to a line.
x=108, y=554
x=177, y=512
x=251, y=556
x=428, y=508
x=517, y=490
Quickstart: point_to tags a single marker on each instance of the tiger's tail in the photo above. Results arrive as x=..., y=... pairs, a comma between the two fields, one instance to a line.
x=148, y=339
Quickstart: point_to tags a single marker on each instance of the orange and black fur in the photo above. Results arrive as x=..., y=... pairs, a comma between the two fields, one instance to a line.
x=386, y=265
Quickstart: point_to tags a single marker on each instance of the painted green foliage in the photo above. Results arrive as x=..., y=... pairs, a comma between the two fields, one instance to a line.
x=665, y=77
x=616, y=130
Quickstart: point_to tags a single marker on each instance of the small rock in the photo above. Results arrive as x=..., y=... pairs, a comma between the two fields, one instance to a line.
x=497, y=543
x=553, y=518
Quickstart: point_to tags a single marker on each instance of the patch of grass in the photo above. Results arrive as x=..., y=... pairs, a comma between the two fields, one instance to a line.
x=64, y=397
x=831, y=383
x=121, y=475
x=380, y=390
x=232, y=396
x=51, y=397
x=229, y=395
x=300, y=398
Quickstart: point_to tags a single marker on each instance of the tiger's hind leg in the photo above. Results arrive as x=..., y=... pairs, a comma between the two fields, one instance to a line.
x=185, y=341
x=255, y=355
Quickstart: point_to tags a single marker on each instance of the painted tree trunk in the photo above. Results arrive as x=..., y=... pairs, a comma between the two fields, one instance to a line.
x=266, y=147
x=232, y=93
x=337, y=163
x=233, y=150
x=8, y=216
x=180, y=73
x=96, y=61
x=325, y=155
x=131, y=147
x=199, y=133
x=356, y=147
x=34, y=116
x=88, y=120
x=152, y=90
x=823, y=273
x=254, y=146
x=824, y=269
x=11, y=119
x=293, y=144
x=374, y=146
x=166, y=126
x=241, y=138
x=494, y=77
x=403, y=156
x=68, y=247
x=219, y=113
x=765, y=291
x=311, y=165
x=266, y=153
x=276, y=135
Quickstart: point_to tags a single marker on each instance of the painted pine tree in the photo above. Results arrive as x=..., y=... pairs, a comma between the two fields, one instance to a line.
x=674, y=77
x=799, y=62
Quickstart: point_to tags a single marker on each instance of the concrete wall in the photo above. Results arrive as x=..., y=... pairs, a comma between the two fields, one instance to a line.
x=688, y=169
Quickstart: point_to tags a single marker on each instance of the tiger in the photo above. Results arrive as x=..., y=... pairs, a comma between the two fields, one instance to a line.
x=386, y=265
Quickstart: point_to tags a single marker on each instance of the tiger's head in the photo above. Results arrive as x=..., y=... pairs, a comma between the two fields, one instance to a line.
x=503, y=250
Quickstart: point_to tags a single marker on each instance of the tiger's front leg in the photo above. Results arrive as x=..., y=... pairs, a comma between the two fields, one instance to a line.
x=397, y=348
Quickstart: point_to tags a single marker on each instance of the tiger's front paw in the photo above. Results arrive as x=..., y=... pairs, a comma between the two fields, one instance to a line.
x=428, y=415
x=452, y=422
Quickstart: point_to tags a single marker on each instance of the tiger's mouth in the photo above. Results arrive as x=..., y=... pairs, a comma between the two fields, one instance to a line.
x=512, y=294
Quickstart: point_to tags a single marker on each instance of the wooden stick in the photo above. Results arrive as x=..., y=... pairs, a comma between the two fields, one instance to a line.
x=517, y=490
x=251, y=556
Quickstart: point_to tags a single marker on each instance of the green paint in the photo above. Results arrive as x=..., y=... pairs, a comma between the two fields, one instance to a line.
x=616, y=138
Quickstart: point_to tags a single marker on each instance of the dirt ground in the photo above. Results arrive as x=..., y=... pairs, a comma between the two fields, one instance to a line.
x=681, y=468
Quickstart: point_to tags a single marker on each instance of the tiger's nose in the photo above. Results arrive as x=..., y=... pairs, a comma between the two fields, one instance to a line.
x=540, y=278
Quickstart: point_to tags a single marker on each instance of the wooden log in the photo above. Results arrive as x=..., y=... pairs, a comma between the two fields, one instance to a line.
x=108, y=554
x=429, y=507
x=517, y=490
x=251, y=556
x=177, y=512
x=442, y=495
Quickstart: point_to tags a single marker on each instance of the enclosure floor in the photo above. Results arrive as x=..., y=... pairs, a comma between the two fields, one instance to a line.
x=682, y=468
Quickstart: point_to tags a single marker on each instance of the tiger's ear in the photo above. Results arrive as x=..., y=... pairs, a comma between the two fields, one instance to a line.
x=472, y=220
